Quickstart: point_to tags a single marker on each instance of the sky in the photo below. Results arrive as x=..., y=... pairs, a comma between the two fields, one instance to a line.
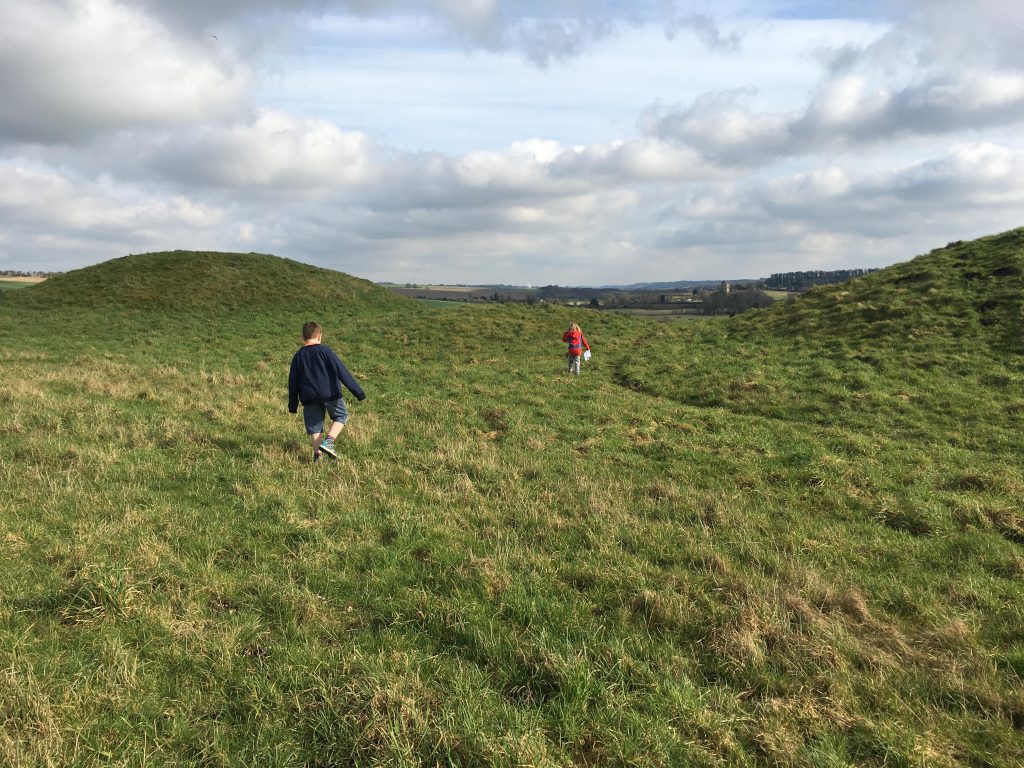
x=579, y=142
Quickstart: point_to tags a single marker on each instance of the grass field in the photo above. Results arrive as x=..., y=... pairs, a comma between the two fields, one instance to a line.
x=441, y=303
x=13, y=283
x=793, y=537
x=663, y=315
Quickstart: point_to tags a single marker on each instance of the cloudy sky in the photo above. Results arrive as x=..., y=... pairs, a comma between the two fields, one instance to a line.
x=568, y=141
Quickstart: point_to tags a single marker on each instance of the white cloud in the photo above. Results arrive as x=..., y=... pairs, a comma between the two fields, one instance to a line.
x=977, y=91
x=628, y=162
x=272, y=151
x=950, y=34
x=847, y=113
x=276, y=153
x=75, y=69
x=62, y=202
x=718, y=126
x=49, y=214
x=940, y=70
x=967, y=184
x=703, y=26
x=544, y=32
x=971, y=175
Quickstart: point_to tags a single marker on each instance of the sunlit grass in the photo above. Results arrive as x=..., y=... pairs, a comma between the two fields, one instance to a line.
x=755, y=542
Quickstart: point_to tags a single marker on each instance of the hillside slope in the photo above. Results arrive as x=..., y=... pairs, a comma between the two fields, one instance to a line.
x=967, y=292
x=202, y=281
x=935, y=340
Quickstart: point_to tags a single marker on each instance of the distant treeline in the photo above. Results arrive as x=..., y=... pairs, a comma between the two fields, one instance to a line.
x=25, y=273
x=728, y=298
x=800, y=281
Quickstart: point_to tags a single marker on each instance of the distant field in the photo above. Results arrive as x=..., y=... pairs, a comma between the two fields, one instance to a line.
x=662, y=315
x=462, y=292
x=457, y=293
x=449, y=288
x=447, y=304
x=14, y=283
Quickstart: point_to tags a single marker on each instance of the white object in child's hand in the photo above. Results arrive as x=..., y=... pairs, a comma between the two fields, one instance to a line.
x=586, y=355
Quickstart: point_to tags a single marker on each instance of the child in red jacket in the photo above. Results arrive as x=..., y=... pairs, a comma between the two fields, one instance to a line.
x=577, y=343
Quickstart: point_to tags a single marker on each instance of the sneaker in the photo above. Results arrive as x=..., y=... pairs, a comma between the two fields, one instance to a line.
x=327, y=446
x=316, y=456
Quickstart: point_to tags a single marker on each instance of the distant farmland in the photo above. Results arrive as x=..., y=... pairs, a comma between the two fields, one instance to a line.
x=14, y=283
x=465, y=292
x=653, y=304
x=663, y=315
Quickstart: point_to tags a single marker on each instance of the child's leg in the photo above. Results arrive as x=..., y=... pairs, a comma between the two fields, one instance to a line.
x=339, y=415
x=313, y=418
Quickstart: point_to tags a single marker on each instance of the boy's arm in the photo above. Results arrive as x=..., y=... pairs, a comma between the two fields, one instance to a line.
x=293, y=386
x=347, y=378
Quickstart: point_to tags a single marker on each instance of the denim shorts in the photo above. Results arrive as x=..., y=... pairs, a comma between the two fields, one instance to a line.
x=313, y=414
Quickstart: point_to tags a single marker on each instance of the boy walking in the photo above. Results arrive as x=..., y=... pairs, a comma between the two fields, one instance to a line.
x=314, y=380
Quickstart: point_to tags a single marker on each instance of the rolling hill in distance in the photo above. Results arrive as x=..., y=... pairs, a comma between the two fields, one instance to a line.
x=202, y=282
x=793, y=537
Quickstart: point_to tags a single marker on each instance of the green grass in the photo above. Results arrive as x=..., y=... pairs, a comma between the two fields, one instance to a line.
x=664, y=315
x=789, y=538
x=440, y=303
x=12, y=285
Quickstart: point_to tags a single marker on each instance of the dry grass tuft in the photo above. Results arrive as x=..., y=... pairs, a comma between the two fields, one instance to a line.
x=853, y=604
x=32, y=730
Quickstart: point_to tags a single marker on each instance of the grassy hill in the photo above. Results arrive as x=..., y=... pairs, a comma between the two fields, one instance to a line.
x=790, y=538
x=963, y=291
x=202, y=282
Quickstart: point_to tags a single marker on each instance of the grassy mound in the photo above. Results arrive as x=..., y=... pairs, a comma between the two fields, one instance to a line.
x=964, y=292
x=202, y=282
x=940, y=334
x=727, y=543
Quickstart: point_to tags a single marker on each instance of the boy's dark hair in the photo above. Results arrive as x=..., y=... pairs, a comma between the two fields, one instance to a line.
x=311, y=330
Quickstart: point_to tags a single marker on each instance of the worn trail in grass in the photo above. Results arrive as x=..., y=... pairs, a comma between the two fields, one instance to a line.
x=781, y=539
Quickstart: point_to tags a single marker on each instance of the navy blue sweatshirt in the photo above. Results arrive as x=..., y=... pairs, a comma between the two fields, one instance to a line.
x=314, y=377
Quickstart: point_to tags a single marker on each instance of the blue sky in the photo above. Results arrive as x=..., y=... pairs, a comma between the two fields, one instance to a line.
x=485, y=141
